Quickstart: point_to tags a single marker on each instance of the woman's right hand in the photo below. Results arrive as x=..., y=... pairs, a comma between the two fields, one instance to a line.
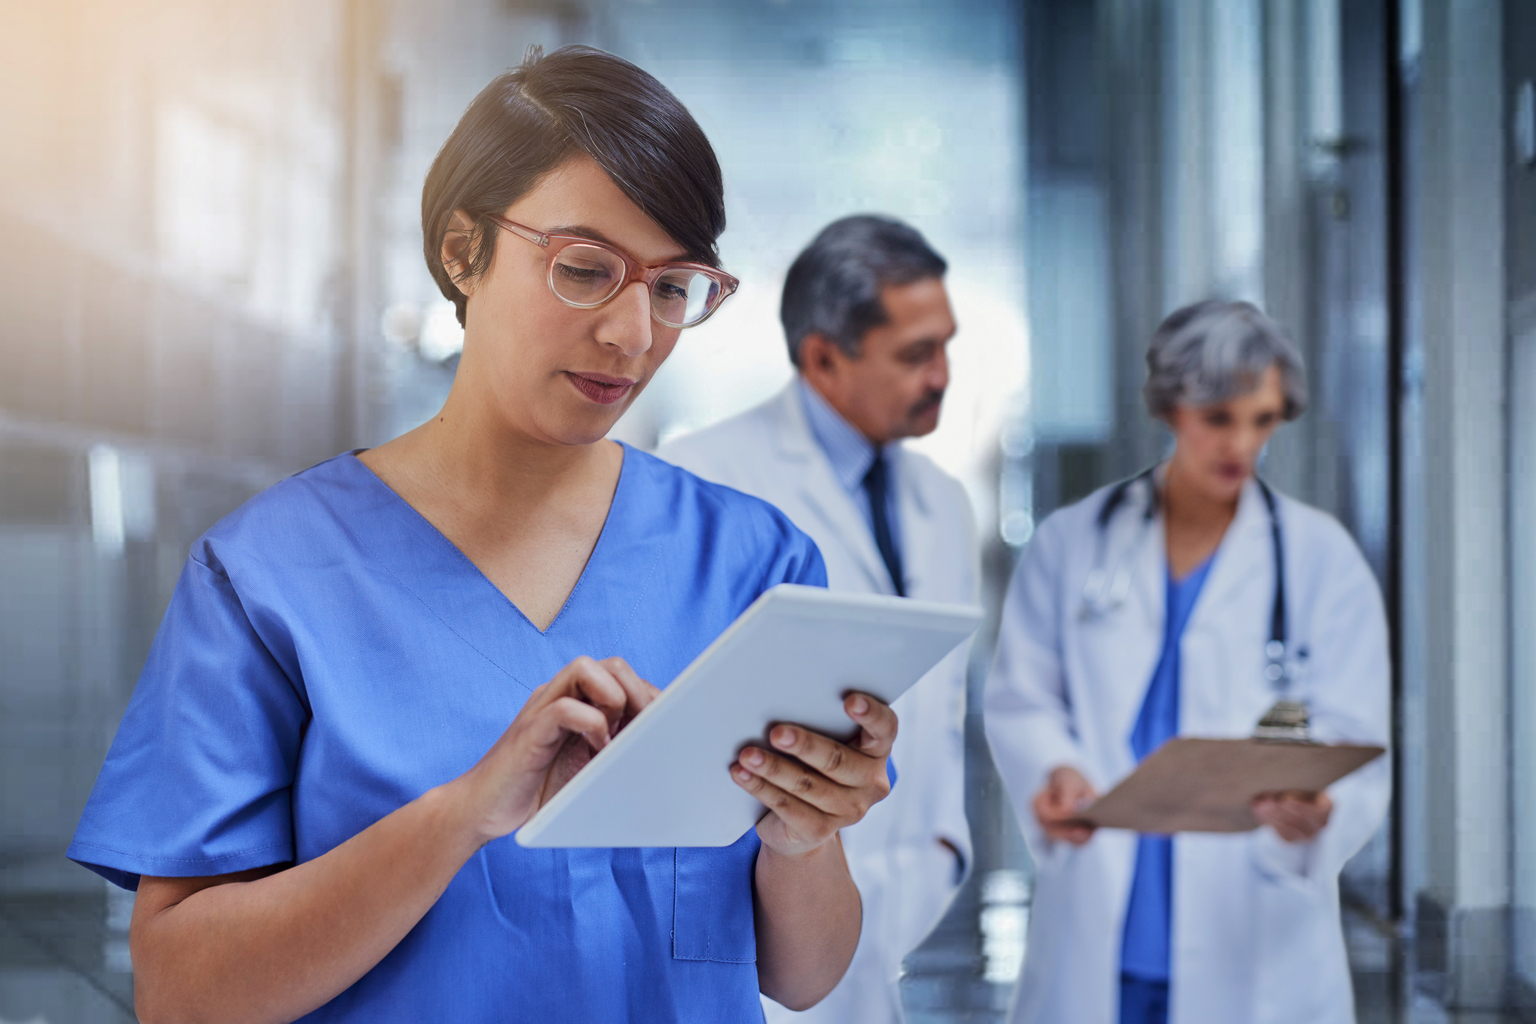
x=1059, y=806
x=274, y=943
x=561, y=727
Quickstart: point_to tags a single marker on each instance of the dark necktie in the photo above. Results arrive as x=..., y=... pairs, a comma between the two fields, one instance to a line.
x=875, y=486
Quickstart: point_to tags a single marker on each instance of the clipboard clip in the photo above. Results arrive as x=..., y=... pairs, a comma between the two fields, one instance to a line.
x=1288, y=721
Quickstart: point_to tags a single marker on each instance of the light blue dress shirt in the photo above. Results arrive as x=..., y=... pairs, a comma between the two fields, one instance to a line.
x=1146, y=948
x=851, y=454
x=328, y=656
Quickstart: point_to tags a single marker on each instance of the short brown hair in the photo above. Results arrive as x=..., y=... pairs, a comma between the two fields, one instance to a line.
x=530, y=120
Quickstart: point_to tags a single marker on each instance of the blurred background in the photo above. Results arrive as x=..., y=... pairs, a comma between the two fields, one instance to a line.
x=211, y=277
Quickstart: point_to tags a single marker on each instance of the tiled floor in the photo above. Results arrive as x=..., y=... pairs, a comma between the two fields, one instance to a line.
x=1385, y=992
x=947, y=981
x=63, y=960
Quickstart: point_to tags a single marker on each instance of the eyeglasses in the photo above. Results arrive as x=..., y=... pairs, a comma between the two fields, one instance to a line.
x=585, y=274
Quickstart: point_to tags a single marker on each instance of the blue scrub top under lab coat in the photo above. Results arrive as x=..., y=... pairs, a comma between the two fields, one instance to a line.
x=1146, y=947
x=328, y=656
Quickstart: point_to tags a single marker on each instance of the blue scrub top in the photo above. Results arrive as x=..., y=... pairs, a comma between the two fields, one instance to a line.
x=1145, y=950
x=328, y=656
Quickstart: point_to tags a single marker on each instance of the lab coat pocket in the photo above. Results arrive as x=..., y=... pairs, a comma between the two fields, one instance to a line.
x=712, y=902
x=1278, y=862
x=1297, y=936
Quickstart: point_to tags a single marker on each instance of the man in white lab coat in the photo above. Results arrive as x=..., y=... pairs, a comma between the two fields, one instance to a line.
x=867, y=321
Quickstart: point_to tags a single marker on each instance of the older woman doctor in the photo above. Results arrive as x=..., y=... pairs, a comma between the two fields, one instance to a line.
x=1150, y=610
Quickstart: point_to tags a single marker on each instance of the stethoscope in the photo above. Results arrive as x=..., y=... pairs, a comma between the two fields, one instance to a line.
x=1106, y=591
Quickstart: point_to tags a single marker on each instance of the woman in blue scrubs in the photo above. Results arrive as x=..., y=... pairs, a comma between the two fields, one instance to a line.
x=314, y=785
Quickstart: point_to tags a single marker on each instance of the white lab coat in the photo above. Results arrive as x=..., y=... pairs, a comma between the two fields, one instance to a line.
x=906, y=879
x=1257, y=936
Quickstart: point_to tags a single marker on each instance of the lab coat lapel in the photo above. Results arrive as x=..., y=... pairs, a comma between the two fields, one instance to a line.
x=823, y=495
x=1215, y=679
x=1150, y=573
x=1120, y=648
x=1241, y=556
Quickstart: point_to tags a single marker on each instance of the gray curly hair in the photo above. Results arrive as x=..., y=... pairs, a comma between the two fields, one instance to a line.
x=1215, y=350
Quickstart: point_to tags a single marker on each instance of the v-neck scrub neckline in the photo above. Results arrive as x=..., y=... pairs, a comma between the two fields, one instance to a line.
x=597, y=547
x=329, y=655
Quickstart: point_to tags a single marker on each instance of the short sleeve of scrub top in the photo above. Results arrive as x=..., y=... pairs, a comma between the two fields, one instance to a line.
x=328, y=656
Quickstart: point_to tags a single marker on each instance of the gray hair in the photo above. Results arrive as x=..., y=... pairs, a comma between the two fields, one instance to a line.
x=1215, y=350
x=833, y=287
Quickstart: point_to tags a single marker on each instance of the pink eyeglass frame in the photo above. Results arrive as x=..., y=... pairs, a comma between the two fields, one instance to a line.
x=633, y=270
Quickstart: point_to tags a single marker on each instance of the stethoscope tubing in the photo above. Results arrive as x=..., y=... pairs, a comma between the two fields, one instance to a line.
x=1105, y=591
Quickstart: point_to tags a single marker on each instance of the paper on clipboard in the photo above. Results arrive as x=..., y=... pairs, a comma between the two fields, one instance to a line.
x=1208, y=785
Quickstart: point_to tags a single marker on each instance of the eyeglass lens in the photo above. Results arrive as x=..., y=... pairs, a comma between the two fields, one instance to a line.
x=586, y=275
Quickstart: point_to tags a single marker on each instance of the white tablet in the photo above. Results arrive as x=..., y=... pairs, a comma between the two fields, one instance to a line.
x=791, y=657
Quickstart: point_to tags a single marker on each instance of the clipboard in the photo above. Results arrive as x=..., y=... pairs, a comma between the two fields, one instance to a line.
x=790, y=657
x=1207, y=785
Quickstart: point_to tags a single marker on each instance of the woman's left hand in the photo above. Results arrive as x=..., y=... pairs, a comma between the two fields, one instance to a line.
x=813, y=785
x=1297, y=817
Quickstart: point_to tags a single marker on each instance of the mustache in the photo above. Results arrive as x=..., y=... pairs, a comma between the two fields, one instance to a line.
x=931, y=400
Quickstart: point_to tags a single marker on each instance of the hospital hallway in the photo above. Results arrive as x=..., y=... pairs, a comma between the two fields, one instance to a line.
x=1385, y=990
x=212, y=278
x=62, y=961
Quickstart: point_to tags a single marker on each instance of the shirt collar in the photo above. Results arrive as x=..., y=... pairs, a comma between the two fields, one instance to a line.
x=850, y=452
